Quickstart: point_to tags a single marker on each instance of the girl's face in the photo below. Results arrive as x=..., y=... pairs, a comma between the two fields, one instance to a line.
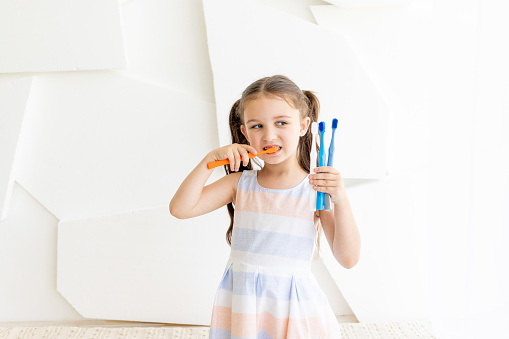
x=271, y=121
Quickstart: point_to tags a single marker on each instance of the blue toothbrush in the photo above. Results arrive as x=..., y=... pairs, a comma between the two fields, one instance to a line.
x=330, y=161
x=321, y=162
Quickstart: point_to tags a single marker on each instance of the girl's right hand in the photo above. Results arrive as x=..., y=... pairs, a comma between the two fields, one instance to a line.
x=235, y=153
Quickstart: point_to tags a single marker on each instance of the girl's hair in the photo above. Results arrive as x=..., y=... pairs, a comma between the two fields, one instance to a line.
x=279, y=86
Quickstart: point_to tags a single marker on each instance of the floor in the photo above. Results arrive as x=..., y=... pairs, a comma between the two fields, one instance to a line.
x=113, y=323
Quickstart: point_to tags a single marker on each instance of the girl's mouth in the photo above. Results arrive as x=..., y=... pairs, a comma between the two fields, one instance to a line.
x=278, y=149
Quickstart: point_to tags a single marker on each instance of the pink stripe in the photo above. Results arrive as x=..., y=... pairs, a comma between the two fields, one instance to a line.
x=271, y=203
x=221, y=317
x=249, y=325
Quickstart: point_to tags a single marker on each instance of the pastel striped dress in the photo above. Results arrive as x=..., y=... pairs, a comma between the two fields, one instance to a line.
x=268, y=289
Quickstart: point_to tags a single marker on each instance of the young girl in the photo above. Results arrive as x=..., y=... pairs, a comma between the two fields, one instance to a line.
x=268, y=289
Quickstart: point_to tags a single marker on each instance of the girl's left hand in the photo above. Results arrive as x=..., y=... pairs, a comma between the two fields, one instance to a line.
x=330, y=181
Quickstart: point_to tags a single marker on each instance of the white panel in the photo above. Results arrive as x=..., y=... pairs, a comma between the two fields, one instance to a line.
x=14, y=93
x=330, y=288
x=299, y=8
x=393, y=45
x=367, y=3
x=58, y=35
x=167, y=44
x=390, y=281
x=28, y=260
x=315, y=59
x=99, y=143
x=143, y=265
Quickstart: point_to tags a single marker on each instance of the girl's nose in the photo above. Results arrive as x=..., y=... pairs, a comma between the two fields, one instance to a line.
x=269, y=134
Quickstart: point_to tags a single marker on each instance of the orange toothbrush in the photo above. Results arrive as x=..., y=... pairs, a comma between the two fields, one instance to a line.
x=217, y=163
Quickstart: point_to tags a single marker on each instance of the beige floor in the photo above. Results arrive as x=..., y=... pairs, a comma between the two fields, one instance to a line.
x=112, y=323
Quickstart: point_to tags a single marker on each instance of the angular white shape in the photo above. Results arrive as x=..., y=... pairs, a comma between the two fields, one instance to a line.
x=143, y=265
x=28, y=263
x=299, y=9
x=167, y=44
x=390, y=281
x=60, y=35
x=99, y=143
x=367, y=3
x=394, y=46
x=14, y=92
x=330, y=288
x=243, y=50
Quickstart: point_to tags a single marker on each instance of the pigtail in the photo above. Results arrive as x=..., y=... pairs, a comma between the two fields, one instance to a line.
x=313, y=109
x=313, y=104
x=235, y=121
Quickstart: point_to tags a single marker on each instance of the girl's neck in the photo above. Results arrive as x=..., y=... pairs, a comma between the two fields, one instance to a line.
x=277, y=177
x=288, y=169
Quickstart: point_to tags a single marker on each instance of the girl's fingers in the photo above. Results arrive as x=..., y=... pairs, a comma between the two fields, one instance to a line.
x=251, y=149
x=238, y=160
x=323, y=182
x=326, y=169
x=231, y=158
x=326, y=173
x=324, y=178
x=238, y=154
x=322, y=189
x=245, y=157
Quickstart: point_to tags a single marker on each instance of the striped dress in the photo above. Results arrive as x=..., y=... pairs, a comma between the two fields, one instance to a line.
x=268, y=289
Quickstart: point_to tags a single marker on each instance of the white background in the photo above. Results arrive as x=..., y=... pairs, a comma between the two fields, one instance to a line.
x=105, y=107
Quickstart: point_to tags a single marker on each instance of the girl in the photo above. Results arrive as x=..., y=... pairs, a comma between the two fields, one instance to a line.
x=268, y=289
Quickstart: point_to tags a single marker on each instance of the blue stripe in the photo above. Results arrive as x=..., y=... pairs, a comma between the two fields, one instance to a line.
x=277, y=244
x=269, y=286
x=263, y=335
x=227, y=282
x=218, y=333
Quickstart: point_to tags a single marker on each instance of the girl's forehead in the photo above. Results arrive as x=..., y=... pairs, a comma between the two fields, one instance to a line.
x=267, y=107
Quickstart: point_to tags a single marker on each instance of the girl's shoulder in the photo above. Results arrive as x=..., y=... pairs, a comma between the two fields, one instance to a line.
x=234, y=178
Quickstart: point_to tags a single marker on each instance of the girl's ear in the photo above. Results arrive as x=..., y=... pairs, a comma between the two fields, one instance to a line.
x=304, y=125
x=243, y=131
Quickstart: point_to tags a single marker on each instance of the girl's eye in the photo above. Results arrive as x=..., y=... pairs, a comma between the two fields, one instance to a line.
x=279, y=123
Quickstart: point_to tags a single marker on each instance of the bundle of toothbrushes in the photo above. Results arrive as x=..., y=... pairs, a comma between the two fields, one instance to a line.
x=318, y=200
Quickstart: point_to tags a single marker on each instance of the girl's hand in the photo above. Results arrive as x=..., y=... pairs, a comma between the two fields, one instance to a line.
x=328, y=181
x=235, y=153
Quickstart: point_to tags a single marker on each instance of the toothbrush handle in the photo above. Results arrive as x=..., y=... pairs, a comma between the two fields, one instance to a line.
x=330, y=160
x=327, y=205
x=218, y=163
x=320, y=195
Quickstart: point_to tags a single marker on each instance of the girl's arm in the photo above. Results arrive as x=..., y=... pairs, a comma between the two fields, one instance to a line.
x=339, y=224
x=193, y=198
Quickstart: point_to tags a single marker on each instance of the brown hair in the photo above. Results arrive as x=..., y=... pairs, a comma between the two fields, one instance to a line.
x=281, y=86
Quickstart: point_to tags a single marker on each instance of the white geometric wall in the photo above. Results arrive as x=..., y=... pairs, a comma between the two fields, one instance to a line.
x=315, y=58
x=56, y=35
x=141, y=95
